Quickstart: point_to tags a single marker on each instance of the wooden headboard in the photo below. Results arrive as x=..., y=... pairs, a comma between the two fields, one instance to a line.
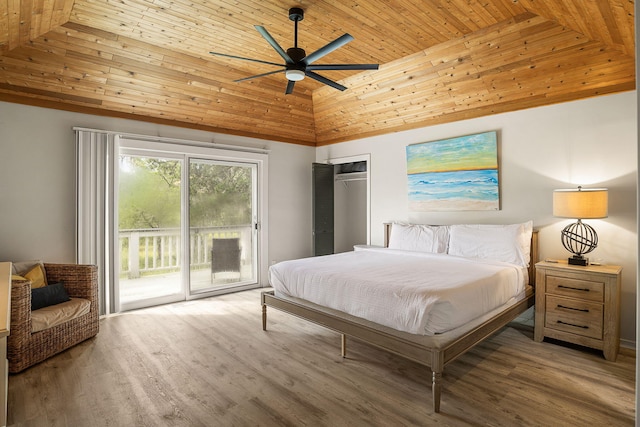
x=533, y=259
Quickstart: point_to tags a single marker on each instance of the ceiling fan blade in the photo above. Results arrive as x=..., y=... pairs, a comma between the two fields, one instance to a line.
x=325, y=80
x=330, y=47
x=343, y=67
x=274, y=44
x=289, y=87
x=246, y=59
x=259, y=75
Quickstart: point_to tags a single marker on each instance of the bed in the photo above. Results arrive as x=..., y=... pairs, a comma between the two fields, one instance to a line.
x=319, y=290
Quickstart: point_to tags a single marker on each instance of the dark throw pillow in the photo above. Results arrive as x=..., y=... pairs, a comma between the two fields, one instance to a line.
x=51, y=294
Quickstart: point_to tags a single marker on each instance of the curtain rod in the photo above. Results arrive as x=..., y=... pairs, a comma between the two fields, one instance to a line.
x=177, y=141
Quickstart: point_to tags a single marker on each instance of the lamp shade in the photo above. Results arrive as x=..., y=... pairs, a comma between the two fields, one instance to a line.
x=581, y=203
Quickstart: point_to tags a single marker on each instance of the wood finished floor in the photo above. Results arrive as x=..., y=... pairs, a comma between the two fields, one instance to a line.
x=208, y=363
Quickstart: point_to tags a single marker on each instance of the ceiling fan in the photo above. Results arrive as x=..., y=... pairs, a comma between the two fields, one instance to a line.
x=297, y=63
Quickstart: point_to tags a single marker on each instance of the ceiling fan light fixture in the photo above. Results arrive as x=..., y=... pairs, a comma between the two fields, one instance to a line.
x=294, y=75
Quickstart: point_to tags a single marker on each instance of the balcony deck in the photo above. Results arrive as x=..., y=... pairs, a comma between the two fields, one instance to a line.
x=150, y=261
x=146, y=287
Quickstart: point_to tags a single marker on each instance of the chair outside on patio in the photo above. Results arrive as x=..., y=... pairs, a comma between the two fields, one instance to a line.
x=225, y=255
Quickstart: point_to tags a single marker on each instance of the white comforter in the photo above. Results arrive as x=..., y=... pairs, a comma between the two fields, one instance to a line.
x=419, y=293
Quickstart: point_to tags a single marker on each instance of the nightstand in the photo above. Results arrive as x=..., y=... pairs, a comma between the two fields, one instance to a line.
x=361, y=247
x=579, y=304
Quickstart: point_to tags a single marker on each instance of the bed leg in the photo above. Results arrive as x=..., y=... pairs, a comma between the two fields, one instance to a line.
x=436, y=387
x=344, y=345
x=264, y=317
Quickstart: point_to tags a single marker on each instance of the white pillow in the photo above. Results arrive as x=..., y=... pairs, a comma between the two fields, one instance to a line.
x=419, y=238
x=22, y=267
x=504, y=243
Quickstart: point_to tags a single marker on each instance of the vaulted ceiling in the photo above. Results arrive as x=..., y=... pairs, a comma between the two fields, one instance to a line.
x=440, y=61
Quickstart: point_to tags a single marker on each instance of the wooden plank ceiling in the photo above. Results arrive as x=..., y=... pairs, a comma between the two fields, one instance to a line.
x=440, y=61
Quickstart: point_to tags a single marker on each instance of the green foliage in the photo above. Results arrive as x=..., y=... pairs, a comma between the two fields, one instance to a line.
x=149, y=194
x=219, y=195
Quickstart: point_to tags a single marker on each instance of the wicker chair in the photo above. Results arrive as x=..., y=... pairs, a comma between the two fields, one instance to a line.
x=25, y=348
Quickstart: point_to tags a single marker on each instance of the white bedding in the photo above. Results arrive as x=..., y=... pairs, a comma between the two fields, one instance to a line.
x=419, y=293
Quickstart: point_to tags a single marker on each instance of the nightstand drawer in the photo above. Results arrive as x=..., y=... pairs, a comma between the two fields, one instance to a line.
x=575, y=288
x=575, y=316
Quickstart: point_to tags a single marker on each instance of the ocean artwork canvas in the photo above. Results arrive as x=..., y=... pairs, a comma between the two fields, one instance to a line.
x=454, y=174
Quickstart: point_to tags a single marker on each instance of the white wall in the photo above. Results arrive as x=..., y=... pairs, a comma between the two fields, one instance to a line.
x=37, y=176
x=591, y=142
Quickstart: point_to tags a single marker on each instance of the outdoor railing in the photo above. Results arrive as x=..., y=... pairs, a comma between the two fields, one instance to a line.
x=157, y=250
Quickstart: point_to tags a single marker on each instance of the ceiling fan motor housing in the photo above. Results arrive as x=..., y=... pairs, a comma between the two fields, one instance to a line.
x=296, y=54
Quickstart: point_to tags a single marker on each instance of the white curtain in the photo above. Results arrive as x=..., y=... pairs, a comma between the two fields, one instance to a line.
x=95, y=159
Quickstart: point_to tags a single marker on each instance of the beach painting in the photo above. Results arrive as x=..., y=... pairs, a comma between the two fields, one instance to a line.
x=456, y=174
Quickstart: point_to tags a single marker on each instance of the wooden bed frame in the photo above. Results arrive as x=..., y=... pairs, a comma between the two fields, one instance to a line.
x=434, y=352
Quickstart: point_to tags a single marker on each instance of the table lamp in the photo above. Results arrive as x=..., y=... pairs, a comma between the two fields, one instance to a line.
x=580, y=203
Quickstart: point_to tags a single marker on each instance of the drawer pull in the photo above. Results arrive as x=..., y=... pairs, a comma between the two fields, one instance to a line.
x=584, y=310
x=574, y=289
x=571, y=324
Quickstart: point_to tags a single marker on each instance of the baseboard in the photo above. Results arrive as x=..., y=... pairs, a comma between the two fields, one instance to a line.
x=628, y=348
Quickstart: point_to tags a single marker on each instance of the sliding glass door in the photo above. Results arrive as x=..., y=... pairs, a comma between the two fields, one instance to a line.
x=149, y=230
x=187, y=226
x=222, y=218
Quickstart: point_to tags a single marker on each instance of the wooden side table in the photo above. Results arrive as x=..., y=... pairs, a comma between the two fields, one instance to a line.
x=579, y=304
x=5, y=321
x=361, y=247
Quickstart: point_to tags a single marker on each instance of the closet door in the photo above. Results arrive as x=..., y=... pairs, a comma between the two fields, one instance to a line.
x=322, y=196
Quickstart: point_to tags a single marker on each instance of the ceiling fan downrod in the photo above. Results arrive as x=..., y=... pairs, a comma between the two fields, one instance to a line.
x=296, y=15
x=295, y=53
